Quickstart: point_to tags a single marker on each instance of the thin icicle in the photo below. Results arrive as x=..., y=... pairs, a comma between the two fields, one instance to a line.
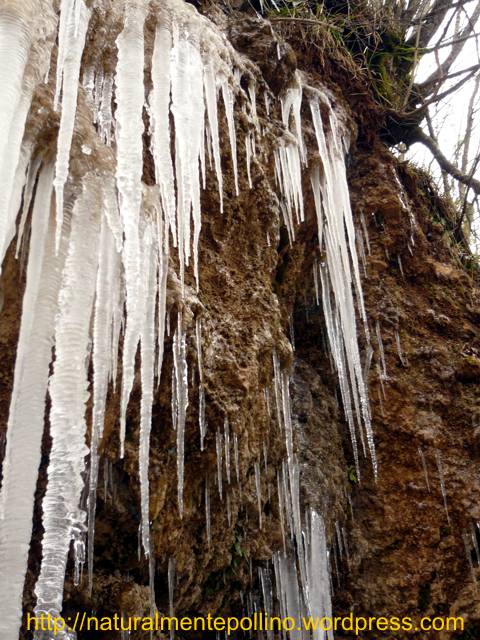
x=236, y=457
x=129, y=131
x=226, y=436
x=401, y=356
x=147, y=342
x=160, y=99
x=342, y=274
x=219, y=449
x=229, y=101
x=201, y=388
x=381, y=350
x=319, y=598
x=211, y=99
x=424, y=467
x=75, y=33
x=208, y=518
x=171, y=589
x=181, y=387
x=258, y=489
x=441, y=477
x=189, y=117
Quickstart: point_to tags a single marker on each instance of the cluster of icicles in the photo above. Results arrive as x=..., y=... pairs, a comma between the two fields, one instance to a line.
x=97, y=269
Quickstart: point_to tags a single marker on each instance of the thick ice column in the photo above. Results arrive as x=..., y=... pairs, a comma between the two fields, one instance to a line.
x=69, y=393
x=27, y=408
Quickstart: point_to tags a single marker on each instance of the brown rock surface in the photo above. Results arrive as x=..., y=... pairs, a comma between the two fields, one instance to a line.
x=406, y=557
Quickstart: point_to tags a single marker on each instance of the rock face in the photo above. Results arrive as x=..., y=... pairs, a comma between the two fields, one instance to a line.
x=405, y=545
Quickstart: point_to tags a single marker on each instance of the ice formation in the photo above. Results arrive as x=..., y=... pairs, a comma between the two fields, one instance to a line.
x=98, y=262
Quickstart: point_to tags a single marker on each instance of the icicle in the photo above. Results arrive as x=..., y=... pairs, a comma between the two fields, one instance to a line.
x=228, y=100
x=236, y=457
x=424, y=467
x=249, y=153
x=17, y=27
x=75, y=32
x=343, y=274
x=281, y=502
x=365, y=232
x=219, y=449
x=27, y=406
x=163, y=254
x=211, y=97
x=68, y=392
x=226, y=435
x=189, y=117
x=441, y=477
x=315, y=282
x=147, y=342
x=129, y=132
x=381, y=350
x=229, y=510
x=208, y=519
x=201, y=389
x=108, y=277
x=319, y=599
x=258, y=488
x=15, y=33
x=171, y=589
x=292, y=107
x=402, y=358
x=160, y=117
x=181, y=387
x=105, y=117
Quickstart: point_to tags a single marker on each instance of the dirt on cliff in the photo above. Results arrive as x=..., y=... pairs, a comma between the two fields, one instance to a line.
x=407, y=545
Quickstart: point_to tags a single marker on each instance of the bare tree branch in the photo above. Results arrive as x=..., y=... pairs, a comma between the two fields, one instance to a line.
x=445, y=164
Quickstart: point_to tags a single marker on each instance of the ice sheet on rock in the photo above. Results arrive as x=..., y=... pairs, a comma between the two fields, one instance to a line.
x=68, y=389
x=129, y=131
x=75, y=30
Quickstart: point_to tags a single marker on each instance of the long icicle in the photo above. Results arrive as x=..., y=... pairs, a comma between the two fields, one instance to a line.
x=68, y=393
x=130, y=128
x=27, y=408
x=74, y=44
